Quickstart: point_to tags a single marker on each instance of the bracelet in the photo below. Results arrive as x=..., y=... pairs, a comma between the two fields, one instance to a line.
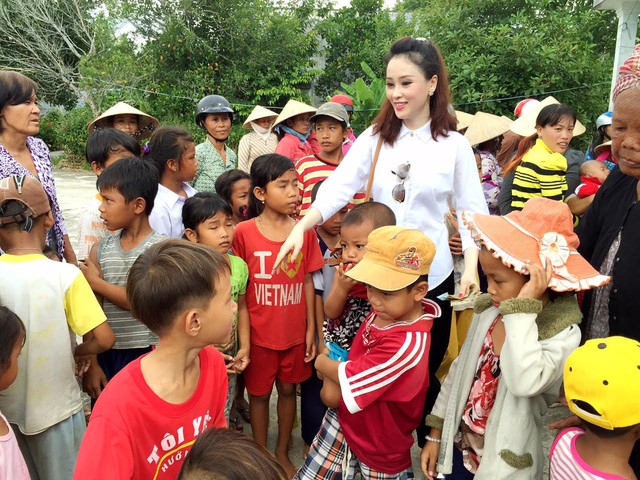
x=434, y=440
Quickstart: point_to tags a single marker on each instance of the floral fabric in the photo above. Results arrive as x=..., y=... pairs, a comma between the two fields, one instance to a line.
x=42, y=161
x=491, y=181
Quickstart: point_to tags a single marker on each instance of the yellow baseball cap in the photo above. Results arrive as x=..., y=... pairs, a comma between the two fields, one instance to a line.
x=394, y=258
x=605, y=374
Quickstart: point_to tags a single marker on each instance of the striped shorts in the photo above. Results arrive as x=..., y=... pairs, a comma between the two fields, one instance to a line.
x=330, y=457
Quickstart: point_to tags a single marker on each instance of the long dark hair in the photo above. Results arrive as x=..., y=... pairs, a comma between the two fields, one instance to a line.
x=168, y=143
x=12, y=329
x=427, y=57
x=549, y=115
x=265, y=169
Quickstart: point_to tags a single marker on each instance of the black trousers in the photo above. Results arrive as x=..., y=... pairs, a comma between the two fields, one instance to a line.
x=439, y=342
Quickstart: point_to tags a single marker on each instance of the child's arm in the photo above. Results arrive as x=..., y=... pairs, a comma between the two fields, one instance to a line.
x=310, y=337
x=322, y=348
x=328, y=368
x=330, y=393
x=98, y=340
x=244, y=331
x=91, y=270
x=337, y=297
x=530, y=366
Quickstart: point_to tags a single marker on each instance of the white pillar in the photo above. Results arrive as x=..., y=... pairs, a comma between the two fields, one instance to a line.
x=627, y=27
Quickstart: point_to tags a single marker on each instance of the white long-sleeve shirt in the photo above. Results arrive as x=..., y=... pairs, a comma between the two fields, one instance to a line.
x=442, y=173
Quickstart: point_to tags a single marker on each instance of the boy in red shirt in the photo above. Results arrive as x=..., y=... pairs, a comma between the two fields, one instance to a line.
x=385, y=379
x=151, y=412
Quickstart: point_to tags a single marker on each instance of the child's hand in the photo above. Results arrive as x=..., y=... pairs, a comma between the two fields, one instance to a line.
x=429, y=460
x=83, y=362
x=89, y=270
x=229, y=363
x=94, y=379
x=538, y=283
x=311, y=348
x=241, y=360
x=344, y=282
x=570, y=421
x=455, y=244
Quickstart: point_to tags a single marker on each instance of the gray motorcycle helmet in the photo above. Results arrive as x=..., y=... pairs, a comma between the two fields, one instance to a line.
x=212, y=104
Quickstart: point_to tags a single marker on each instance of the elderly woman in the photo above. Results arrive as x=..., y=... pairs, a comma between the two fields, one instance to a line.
x=610, y=230
x=23, y=154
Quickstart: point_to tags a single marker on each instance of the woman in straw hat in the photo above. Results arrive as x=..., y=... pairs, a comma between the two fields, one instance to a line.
x=422, y=165
x=127, y=119
x=293, y=128
x=258, y=142
x=484, y=133
x=23, y=154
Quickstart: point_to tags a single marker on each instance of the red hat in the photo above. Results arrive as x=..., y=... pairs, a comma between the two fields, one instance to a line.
x=524, y=105
x=343, y=100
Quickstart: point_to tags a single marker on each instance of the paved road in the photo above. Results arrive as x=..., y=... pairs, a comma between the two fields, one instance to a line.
x=75, y=189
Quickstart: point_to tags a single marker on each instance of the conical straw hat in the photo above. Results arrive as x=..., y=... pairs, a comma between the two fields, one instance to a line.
x=293, y=108
x=256, y=114
x=486, y=126
x=146, y=123
x=464, y=119
x=525, y=126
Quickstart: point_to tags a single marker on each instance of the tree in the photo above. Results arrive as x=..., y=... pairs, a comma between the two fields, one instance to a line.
x=359, y=33
x=46, y=40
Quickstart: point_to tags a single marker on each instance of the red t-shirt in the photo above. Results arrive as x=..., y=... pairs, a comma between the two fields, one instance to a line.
x=134, y=434
x=277, y=308
x=384, y=384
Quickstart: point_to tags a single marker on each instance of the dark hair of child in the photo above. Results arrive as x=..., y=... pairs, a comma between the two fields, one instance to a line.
x=221, y=453
x=421, y=278
x=107, y=141
x=265, y=169
x=203, y=206
x=599, y=431
x=132, y=178
x=225, y=182
x=12, y=330
x=375, y=212
x=171, y=277
x=549, y=115
x=426, y=56
x=168, y=143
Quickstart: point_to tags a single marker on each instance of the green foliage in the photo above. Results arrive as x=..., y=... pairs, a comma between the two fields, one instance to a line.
x=50, y=124
x=72, y=134
x=359, y=33
x=367, y=98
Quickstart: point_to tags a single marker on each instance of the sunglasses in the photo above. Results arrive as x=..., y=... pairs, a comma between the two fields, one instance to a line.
x=398, y=192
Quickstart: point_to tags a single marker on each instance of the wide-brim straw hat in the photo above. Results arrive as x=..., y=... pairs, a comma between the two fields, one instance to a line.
x=542, y=229
x=486, y=126
x=256, y=114
x=525, y=126
x=293, y=108
x=602, y=147
x=463, y=119
x=146, y=123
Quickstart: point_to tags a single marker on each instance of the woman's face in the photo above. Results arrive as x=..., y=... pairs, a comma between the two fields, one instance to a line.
x=264, y=122
x=21, y=119
x=558, y=136
x=625, y=132
x=408, y=91
x=126, y=123
x=300, y=123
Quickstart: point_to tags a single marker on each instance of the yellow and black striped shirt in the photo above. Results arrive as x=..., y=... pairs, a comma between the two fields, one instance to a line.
x=542, y=173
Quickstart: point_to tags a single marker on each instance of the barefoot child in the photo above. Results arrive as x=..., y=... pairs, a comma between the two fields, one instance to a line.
x=487, y=418
x=281, y=306
x=602, y=386
x=149, y=415
x=207, y=220
x=52, y=299
x=173, y=153
x=12, y=464
x=385, y=379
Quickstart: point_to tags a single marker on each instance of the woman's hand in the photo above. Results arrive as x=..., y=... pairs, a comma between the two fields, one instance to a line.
x=470, y=274
x=538, y=283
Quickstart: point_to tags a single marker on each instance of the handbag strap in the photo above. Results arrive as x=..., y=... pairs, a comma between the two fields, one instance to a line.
x=367, y=196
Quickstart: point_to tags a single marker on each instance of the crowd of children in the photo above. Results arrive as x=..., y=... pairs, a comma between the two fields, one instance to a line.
x=179, y=304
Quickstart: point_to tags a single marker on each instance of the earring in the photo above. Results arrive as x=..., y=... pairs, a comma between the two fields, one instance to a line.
x=431, y=93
